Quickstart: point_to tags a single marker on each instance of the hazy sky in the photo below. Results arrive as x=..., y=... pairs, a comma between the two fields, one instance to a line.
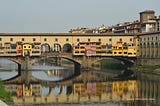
x=63, y=15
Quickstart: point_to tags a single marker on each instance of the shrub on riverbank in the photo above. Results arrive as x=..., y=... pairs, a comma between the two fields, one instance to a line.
x=4, y=95
x=112, y=64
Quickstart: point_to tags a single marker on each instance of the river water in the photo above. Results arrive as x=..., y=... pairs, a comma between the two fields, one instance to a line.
x=109, y=87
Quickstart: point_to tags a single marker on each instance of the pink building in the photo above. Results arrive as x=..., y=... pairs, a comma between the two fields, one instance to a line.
x=19, y=48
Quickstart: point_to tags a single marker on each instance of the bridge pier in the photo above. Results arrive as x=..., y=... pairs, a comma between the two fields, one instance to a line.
x=90, y=63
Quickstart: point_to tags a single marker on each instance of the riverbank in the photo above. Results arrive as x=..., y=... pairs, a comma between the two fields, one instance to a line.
x=150, y=69
x=4, y=95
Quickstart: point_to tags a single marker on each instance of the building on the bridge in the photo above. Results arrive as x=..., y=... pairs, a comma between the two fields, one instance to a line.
x=124, y=90
x=27, y=49
x=36, y=48
x=78, y=44
x=19, y=48
x=27, y=90
x=149, y=49
x=89, y=88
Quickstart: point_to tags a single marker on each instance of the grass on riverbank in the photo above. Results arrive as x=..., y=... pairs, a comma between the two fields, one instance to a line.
x=4, y=95
x=149, y=69
x=145, y=67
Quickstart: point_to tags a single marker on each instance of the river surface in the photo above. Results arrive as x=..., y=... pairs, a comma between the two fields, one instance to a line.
x=90, y=88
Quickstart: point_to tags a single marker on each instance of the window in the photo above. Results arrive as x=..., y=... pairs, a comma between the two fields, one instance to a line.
x=89, y=40
x=11, y=39
x=45, y=39
x=34, y=39
x=0, y=39
x=130, y=39
x=67, y=39
x=78, y=40
x=120, y=39
x=99, y=40
x=56, y=40
x=110, y=39
x=22, y=39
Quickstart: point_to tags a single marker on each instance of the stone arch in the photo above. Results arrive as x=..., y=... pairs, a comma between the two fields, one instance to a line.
x=46, y=91
x=144, y=48
x=67, y=48
x=57, y=90
x=45, y=48
x=17, y=73
x=156, y=50
x=57, y=47
x=140, y=49
x=148, y=49
x=152, y=46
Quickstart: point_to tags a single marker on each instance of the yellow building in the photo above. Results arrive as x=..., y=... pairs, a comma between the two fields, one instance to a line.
x=117, y=49
x=27, y=49
x=124, y=49
x=125, y=89
x=27, y=90
x=80, y=88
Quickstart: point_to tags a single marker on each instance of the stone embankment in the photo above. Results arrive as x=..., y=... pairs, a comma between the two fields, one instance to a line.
x=2, y=103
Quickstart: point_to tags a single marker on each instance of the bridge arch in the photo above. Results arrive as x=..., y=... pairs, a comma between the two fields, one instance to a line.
x=67, y=48
x=144, y=50
x=152, y=50
x=57, y=90
x=127, y=61
x=45, y=48
x=156, y=50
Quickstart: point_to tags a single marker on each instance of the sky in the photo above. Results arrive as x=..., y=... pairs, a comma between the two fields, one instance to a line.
x=59, y=16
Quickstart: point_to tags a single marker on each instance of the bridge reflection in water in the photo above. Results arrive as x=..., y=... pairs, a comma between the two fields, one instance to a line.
x=89, y=87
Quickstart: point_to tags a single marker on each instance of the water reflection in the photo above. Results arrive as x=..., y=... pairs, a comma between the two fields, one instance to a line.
x=89, y=87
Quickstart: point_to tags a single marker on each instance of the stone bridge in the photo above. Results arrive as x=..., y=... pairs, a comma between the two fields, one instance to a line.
x=86, y=62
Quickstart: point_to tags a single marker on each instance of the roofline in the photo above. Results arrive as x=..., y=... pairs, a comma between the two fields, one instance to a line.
x=148, y=33
x=62, y=34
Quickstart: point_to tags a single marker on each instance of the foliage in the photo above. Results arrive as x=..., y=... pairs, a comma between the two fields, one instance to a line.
x=111, y=65
x=4, y=95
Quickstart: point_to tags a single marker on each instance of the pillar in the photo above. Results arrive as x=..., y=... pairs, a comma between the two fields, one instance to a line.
x=19, y=69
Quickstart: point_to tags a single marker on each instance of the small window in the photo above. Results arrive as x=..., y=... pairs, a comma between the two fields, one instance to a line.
x=110, y=39
x=120, y=39
x=130, y=39
x=11, y=39
x=78, y=40
x=67, y=39
x=99, y=40
x=24, y=46
x=45, y=39
x=0, y=39
x=56, y=40
x=22, y=39
x=89, y=40
x=34, y=39
x=29, y=47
